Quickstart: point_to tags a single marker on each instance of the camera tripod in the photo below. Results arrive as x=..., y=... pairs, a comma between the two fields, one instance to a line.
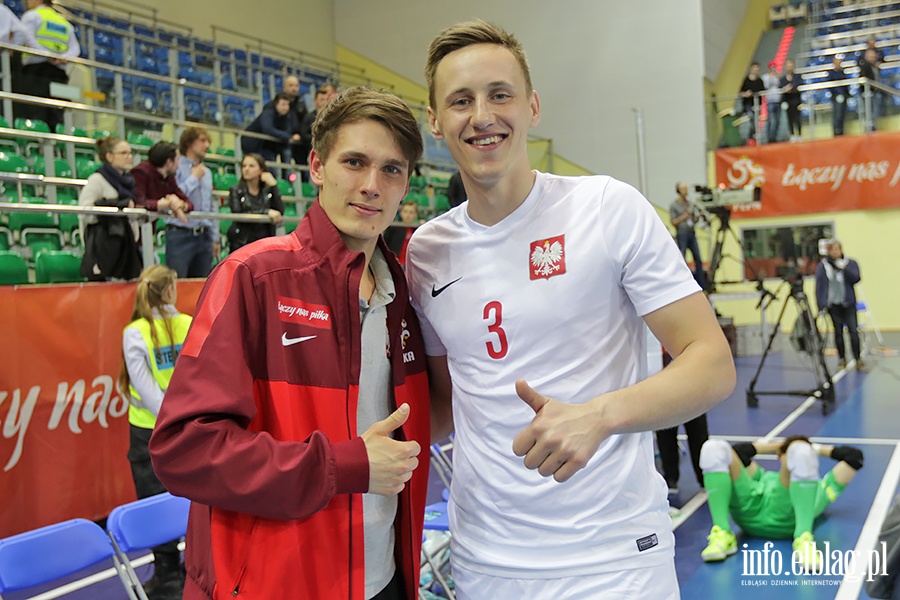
x=715, y=260
x=809, y=340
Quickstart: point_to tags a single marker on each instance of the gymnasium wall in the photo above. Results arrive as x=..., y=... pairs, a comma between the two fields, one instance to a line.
x=592, y=63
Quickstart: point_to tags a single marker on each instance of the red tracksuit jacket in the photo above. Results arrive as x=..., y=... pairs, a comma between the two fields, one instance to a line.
x=259, y=429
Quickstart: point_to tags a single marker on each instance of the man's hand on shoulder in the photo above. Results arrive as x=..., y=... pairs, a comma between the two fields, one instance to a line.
x=561, y=438
x=391, y=462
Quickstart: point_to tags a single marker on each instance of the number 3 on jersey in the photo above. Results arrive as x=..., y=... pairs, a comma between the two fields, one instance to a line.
x=493, y=314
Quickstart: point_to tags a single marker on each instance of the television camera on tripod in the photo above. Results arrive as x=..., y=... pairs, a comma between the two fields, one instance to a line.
x=718, y=202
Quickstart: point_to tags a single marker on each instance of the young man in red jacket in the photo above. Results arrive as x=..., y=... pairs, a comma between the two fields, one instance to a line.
x=299, y=403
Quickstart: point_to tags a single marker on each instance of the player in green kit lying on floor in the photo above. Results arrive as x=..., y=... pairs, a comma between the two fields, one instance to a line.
x=772, y=504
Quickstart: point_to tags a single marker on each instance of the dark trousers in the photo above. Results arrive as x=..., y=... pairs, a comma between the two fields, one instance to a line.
x=793, y=117
x=189, y=252
x=146, y=483
x=844, y=316
x=688, y=241
x=839, y=112
x=667, y=440
x=394, y=590
x=35, y=80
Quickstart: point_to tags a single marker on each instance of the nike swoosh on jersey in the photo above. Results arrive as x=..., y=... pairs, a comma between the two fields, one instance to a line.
x=437, y=292
x=286, y=341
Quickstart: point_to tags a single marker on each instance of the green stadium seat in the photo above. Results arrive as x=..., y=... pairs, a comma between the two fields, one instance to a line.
x=224, y=181
x=225, y=152
x=6, y=238
x=57, y=267
x=286, y=187
x=308, y=190
x=67, y=222
x=139, y=141
x=13, y=268
x=31, y=147
x=7, y=142
x=66, y=195
x=40, y=239
x=162, y=257
x=76, y=131
x=14, y=163
x=22, y=220
x=61, y=167
x=85, y=167
x=224, y=225
x=101, y=133
x=441, y=203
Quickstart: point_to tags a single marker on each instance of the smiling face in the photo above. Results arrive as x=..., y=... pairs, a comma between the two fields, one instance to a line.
x=362, y=182
x=483, y=110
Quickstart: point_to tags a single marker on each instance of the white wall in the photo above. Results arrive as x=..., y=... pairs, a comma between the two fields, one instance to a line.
x=592, y=61
x=721, y=19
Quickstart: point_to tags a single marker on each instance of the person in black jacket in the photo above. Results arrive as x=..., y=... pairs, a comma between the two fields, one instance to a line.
x=790, y=95
x=274, y=121
x=750, y=90
x=839, y=95
x=256, y=193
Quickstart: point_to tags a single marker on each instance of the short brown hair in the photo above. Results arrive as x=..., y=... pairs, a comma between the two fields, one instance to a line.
x=106, y=145
x=462, y=35
x=189, y=136
x=162, y=152
x=360, y=103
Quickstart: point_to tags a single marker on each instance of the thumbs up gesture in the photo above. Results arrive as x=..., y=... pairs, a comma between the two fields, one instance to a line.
x=391, y=462
x=561, y=438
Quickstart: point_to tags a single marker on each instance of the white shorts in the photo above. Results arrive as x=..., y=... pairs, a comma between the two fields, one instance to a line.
x=657, y=582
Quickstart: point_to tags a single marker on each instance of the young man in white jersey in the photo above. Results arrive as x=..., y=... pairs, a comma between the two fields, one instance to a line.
x=550, y=280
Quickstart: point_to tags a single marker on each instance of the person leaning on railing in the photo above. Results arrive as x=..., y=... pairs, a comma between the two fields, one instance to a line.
x=110, y=248
x=154, y=182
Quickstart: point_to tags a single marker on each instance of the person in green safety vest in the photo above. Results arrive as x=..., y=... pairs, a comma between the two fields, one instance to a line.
x=150, y=346
x=55, y=34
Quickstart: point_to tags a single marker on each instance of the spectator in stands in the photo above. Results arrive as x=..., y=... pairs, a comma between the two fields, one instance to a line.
x=278, y=420
x=55, y=34
x=323, y=95
x=275, y=121
x=110, y=248
x=683, y=216
x=150, y=347
x=397, y=237
x=772, y=81
x=870, y=45
x=256, y=193
x=297, y=112
x=872, y=97
x=836, y=277
x=839, y=95
x=456, y=191
x=191, y=245
x=12, y=30
x=750, y=95
x=154, y=182
x=791, y=99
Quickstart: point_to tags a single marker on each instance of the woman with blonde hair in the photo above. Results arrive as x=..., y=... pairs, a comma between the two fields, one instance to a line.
x=150, y=346
x=110, y=246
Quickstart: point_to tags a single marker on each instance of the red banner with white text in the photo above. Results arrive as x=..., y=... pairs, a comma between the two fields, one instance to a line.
x=844, y=173
x=64, y=433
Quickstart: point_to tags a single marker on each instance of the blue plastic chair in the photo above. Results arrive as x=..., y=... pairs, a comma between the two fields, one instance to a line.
x=144, y=524
x=45, y=555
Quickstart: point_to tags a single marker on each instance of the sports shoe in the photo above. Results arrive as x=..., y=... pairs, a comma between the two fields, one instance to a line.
x=842, y=364
x=805, y=547
x=722, y=544
x=861, y=366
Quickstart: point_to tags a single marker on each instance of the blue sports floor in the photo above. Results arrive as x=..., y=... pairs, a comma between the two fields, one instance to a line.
x=865, y=415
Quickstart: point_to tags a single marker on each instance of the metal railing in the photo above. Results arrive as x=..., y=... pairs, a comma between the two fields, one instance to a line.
x=866, y=109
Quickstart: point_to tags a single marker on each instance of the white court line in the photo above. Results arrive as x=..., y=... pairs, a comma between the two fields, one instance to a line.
x=689, y=508
x=820, y=440
x=850, y=590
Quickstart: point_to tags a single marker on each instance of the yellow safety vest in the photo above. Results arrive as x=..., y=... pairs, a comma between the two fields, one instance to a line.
x=162, y=362
x=54, y=32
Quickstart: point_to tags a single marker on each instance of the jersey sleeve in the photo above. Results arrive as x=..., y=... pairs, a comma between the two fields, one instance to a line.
x=654, y=273
x=417, y=282
x=205, y=446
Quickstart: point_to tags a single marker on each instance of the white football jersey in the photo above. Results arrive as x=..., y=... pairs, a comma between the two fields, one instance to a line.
x=553, y=294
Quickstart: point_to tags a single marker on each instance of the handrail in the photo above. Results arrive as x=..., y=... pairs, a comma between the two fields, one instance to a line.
x=857, y=19
x=333, y=65
x=854, y=7
x=140, y=214
x=821, y=85
x=868, y=31
x=152, y=10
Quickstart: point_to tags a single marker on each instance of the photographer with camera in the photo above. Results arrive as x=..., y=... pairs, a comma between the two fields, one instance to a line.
x=683, y=216
x=835, y=278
